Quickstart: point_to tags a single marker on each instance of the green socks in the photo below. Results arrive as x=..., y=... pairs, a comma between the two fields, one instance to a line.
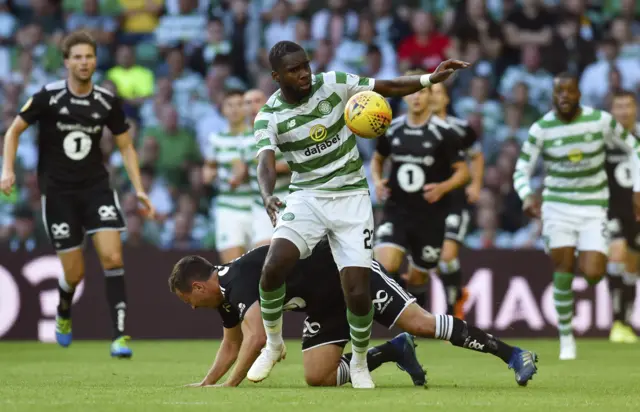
x=271, y=308
x=563, y=301
x=360, y=330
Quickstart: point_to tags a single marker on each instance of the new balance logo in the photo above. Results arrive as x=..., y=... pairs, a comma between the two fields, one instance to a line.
x=291, y=124
x=475, y=345
x=64, y=110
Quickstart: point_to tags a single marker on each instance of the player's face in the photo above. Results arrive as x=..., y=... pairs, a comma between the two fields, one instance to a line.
x=233, y=109
x=81, y=62
x=253, y=102
x=294, y=75
x=566, y=96
x=418, y=102
x=439, y=98
x=625, y=110
x=200, y=296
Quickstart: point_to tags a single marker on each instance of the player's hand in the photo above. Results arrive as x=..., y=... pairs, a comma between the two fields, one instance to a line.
x=273, y=206
x=434, y=192
x=636, y=205
x=7, y=181
x=149, y=211
x=531, y=206
x=382, y=190
x=473, y=193
x=446, y=69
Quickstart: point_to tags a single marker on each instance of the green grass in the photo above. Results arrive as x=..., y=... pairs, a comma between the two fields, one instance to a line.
x=44, y=377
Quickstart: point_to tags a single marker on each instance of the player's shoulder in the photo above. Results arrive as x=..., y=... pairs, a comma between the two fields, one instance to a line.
x=548, y=120
x=457, y=121
x=272, y=106
x=438, y=122
x=101, y=90
x=396, y=123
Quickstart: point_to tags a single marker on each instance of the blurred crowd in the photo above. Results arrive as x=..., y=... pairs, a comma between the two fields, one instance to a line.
x=171, y=60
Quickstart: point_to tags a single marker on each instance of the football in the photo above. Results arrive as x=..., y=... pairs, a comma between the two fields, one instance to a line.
x=368, y=114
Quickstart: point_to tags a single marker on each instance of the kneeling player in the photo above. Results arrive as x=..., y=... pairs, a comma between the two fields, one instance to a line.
x=314, y=288
x=625, y=230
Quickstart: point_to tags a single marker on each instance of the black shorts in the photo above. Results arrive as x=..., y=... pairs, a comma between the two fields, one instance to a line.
x=329, y=325
x=623, y=225
x=68, y=216
x=418, y=234
x=457, y=222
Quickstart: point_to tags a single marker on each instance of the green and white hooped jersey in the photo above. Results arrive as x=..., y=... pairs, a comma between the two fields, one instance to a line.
x=224, y=149
x=282, y=180
x=574, y=157
x=313, y=137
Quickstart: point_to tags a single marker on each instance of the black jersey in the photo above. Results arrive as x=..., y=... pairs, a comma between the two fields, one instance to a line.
x=419, y=156
x=468, y=137
x=620, y=178
x=313, y=284
x=69, y=133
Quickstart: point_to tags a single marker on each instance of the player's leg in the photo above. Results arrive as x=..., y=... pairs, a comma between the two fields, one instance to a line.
x=104, y=221
x=350, y=238
x=615, y=270
x=230, y=240
x=630, y=279
x=262, y=229
x=418, y=322
x=61, y=218
x=390, y=241
x=298, y=231
x=417, y=279
x=457, y=225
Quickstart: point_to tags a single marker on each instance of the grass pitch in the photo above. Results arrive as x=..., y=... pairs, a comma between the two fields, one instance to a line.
x=44, y=377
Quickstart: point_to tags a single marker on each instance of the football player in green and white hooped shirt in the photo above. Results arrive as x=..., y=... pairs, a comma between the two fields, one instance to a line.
x=224, y=159
x=305, y=121
x=254, y=99
x=572, y=140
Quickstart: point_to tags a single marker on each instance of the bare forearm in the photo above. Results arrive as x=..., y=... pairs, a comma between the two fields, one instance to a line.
x=477, y=170
x=398, y=87
x=249, y=352
x=458, y=179
x=377, y=165
x=225, y=358
x=266, y=177
x=11, y=139
x=130, y=160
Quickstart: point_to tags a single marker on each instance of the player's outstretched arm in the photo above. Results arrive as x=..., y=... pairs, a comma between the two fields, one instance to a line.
x=267, y=181
x=254, y=339
x=130, y=160
x=11, y=140
x=225, y=358
x=404, y=85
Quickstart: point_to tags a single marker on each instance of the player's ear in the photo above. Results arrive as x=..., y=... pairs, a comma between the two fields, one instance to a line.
x=275, y=76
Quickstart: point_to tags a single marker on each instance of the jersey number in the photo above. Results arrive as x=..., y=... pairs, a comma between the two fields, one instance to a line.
x=77, y=145
x=410, y=177
x=367, y=238
x=623, y=174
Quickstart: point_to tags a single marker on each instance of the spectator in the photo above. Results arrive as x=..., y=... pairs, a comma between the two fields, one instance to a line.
x=178, y=148
x=576, y=51
x=479, y=102
x=139, y=20
x=134, y=236
x=25, y=237
x=187, y=84
x=188, y=208
x=389, y=26
x=44, y=14
x=205, y=115
x=594, y=83
x=303, y=36
x=373, y=65
x=322, y=60
x=8, y=24
x=157, y=191
x=488, y=235
x=538, y=80
x=27, y=75
x=222, y=74
x=334, y=23
x=184, y=25
x=102, y=28
x=217, y=44
x=513, y=127
x=152, y=107
x=133, y=82
x=481, y=67
x=520, y=98
x=182, y=238
x=628, y=10
x=282, y=25
x=529, y=24
x=244, y=32
x=426, y=48
x=621, y=31
x=473, y=23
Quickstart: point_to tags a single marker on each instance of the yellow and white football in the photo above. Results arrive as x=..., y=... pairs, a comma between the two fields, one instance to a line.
x=368, y=114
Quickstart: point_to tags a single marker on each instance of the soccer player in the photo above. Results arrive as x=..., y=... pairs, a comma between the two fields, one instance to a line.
x=571, y=140
x=76, y=197
x=225, y=164
x=314, y=288
x=625, y=230
x=427, y=164
x=305, y=120
x=254, y=99
x=457, y=222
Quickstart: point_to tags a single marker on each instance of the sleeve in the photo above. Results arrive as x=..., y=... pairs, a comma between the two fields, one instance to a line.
x=265, y=132
x=116, y=120
x=616, y=134
x=383, y=146
x=210, y=151
x=34, y=108
x=354, y=83
x=453, y=147
x=527, y=162
x=244, y=294
x=229, y=314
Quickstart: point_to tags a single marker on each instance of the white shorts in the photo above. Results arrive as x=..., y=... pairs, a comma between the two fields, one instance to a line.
x=346, y=220
x=563, y=227
x=233, y=228
x=262, y=227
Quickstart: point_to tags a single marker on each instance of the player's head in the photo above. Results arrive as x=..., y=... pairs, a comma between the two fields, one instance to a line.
x=233, y=106
x=193, y=281
x=254, y=99
x=439, y=98
x=624, y=108
x=290, y=69
x=79, y=52
x=566, y=95
x=418, y=102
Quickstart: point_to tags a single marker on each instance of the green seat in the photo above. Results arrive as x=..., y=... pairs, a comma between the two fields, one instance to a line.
x=147, y=55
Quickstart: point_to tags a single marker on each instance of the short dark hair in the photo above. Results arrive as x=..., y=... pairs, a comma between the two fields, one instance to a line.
x=373, y=49
x=624, y=93
x=188, y=269
x=221, y=59
x=280, y=50
x=566, y=76
x=232, y=92
x=76, y=38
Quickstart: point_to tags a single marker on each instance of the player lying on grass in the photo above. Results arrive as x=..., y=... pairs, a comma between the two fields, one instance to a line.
x=314, y=288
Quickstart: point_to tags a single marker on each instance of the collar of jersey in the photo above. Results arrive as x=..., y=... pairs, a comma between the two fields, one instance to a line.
x=316, y=83
x=66, y=85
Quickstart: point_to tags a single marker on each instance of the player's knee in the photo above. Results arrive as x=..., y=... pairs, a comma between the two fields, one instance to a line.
x=593, y=275
x=449, y=254
x=316, y=379
x=111, y=260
